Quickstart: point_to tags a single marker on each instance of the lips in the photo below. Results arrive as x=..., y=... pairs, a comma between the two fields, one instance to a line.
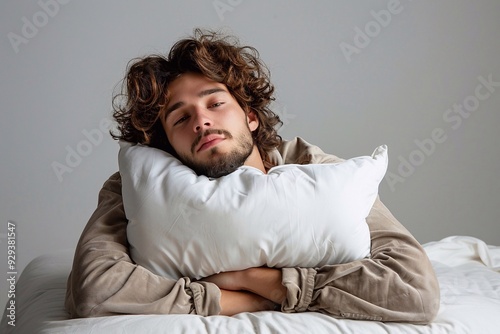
x=209, y=141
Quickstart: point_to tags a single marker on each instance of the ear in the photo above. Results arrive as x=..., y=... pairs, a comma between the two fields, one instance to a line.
x=252, y=120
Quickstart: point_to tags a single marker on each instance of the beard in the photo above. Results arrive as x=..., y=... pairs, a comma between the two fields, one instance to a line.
x=220, y=164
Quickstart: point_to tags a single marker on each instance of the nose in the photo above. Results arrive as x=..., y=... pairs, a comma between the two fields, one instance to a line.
x=202, y=120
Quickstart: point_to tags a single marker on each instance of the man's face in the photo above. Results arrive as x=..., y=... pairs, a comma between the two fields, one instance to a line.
x=206, y=126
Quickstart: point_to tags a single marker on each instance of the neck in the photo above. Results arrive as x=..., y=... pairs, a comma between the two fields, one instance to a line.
x=255, y=160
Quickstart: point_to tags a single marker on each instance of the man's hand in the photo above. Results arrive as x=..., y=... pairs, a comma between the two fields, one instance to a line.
x=262, y=281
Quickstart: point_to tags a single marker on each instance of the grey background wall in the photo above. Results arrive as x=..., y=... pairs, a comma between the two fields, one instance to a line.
x=422, y=77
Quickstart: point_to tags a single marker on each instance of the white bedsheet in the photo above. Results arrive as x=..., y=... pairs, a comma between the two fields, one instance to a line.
x=468, y=271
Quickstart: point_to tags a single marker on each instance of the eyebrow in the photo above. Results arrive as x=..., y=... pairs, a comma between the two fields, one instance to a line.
x=200, y=94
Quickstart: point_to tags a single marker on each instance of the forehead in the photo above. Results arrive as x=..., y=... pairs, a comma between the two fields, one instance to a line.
x=189, y=85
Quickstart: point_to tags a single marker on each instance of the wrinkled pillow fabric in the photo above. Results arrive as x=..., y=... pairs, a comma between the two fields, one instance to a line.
x=185, y=225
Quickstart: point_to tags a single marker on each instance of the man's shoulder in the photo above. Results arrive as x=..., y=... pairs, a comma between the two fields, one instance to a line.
x=113, y=183
x=299, y=151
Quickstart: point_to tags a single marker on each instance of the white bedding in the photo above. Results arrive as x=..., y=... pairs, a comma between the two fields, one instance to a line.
x=468, y=271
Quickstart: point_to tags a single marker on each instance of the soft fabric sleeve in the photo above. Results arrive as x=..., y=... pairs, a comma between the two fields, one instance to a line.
x=105, y=281
x=397, y=283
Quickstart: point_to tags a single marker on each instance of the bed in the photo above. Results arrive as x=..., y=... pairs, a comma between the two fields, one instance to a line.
x=467, y=268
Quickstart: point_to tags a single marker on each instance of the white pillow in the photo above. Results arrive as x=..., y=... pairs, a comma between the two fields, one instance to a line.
x=185, y=225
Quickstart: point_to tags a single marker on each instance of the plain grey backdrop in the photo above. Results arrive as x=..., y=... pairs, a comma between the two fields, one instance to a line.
x=422, y=77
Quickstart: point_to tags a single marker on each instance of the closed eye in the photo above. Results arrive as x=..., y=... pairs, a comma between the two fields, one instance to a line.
x=181, y=120
x=215, y=105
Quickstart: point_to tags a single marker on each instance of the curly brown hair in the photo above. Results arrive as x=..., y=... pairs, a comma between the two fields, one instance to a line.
x=144, y=91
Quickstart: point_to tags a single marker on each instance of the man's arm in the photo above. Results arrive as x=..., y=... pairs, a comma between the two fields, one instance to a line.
x=105, y=281
x=261, y=281
x=237, y=301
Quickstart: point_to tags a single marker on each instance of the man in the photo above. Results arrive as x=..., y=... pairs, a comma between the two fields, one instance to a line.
x=207, y=103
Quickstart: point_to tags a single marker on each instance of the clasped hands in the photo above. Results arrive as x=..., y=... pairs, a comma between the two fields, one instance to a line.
x=249, y=290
